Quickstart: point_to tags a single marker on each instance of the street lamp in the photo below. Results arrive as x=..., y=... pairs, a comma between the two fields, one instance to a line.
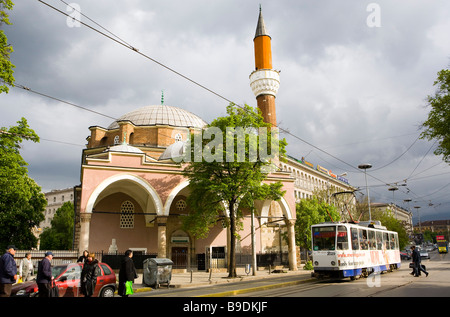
x=365, y=167
x=393, y=189
x=418, y=213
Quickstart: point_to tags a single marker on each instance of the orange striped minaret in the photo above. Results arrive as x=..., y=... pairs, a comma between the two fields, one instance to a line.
x=264, y=81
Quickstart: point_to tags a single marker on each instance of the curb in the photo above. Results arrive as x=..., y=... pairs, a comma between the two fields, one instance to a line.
x=258, y=288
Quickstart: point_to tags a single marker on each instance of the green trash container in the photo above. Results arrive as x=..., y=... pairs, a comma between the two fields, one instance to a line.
x=157, y=271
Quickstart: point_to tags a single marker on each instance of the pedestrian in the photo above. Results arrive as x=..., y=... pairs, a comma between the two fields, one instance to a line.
x=44, y=276
x=26, y=269
x=418, y=267
x=127, y=273
x=83, y=257
x=89, y=275
x=8, y=271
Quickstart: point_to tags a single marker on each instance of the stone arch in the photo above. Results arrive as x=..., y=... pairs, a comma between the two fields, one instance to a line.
x=152, y=195
x=265, y=207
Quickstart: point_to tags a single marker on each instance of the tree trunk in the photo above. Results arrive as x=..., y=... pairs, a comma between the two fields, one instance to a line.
x=232, y=260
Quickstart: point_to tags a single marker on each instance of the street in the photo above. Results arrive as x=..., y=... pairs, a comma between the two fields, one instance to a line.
x=395, y=284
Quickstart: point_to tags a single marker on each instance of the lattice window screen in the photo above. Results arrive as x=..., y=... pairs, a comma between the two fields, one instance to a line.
x=127, y=215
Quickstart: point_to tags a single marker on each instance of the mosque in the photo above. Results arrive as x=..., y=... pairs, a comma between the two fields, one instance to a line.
x=133, y=193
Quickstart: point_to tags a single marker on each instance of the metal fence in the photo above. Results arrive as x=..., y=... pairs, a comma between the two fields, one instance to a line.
x=181, y=260
x=200, y=262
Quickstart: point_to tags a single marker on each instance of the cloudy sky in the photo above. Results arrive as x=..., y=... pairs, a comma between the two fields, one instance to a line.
x=354, y=80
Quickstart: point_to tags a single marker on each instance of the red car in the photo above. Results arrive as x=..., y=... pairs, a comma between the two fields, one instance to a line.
x=67, y=278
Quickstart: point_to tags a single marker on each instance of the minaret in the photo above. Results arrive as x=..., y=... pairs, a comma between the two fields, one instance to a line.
x=264, y=81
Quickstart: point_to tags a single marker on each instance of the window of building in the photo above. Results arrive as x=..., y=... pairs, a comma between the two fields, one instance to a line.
x=116, y=139
x=181, y=205
x=127, y=215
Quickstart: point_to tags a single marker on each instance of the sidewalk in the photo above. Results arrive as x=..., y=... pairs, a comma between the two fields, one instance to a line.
x=199, y=279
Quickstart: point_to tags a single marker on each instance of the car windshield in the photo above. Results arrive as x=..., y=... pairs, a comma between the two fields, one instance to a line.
x=72, y=271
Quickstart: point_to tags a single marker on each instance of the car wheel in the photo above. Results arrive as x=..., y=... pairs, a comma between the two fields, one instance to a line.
x=107, y=292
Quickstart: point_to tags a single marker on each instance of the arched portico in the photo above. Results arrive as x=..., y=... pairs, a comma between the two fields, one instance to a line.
x=133, y=186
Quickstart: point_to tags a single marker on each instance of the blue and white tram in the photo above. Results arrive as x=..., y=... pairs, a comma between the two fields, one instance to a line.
x=353, y=249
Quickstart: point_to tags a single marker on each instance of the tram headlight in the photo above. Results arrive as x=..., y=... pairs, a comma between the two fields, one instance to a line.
x=316, y=263
x=333, y=263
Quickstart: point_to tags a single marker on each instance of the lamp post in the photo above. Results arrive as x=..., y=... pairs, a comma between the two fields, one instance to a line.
x=407, y=200
x=365, y=167
x=393, y=189
x=418, y=213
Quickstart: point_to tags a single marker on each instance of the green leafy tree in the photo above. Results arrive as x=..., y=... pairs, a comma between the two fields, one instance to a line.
x=437, y=126
x=60, y=235
x=21, y=201
x=388, y=220
x=6, y=67
x=224, y=179
x=310, y=212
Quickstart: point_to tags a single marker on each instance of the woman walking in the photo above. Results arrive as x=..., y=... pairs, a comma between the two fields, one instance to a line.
x=89, y=275
x=127, y=274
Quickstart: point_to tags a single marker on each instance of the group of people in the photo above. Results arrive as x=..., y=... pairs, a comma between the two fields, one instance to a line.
x=127, y=273
x=44, y=278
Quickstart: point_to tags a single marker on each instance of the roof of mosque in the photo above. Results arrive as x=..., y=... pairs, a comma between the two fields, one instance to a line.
x=161, y=115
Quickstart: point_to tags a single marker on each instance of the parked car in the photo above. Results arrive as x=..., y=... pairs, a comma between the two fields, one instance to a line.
x=67, y=278
x=405, y=256
x=424, y=254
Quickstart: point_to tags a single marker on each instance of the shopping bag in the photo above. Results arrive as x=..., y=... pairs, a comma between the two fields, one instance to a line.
x=54, y=292
x=19, y=280
x=128, y=288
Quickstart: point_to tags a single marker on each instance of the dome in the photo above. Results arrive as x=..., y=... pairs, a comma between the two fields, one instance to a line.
x=124, y=148
x=161, y=115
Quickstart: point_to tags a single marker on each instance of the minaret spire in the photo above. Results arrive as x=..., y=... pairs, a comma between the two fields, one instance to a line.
x=264, y=81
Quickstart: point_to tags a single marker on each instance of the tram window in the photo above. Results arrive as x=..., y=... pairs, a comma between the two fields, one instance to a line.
x=372, y=241
x=342, y=238
x=391, y=241
x=363, y=239
x=355, y=242
x=386, y=240
x=324, y=238
x=379, y=236
x=396, y=241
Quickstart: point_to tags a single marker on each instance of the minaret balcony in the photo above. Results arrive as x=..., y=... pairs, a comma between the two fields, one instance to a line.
x=265, y=82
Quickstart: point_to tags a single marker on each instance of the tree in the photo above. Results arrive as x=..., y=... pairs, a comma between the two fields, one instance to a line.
x=226, y=174
x=6, y=67
x=60, y=235
x=310, y=212
x=21, y=201
x=437, y=126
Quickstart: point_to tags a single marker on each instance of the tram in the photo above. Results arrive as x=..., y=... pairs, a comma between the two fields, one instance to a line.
x=353, y=249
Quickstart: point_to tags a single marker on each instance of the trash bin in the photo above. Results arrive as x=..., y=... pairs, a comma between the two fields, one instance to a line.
x=157, y=271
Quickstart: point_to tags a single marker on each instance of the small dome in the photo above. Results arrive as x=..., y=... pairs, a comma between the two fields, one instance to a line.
x=161, y=115
x=173, y=151
x=124, y=148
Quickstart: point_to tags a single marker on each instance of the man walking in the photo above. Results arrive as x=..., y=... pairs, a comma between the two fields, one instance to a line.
x=8, y=271
x=44, y=275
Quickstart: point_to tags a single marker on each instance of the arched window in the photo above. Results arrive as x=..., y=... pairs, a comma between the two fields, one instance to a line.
x=127, y=215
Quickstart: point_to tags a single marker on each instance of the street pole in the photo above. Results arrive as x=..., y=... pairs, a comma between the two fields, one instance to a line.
x=365, y=167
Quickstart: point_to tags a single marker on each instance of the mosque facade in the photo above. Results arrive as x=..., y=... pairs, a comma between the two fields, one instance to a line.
x=133, y=194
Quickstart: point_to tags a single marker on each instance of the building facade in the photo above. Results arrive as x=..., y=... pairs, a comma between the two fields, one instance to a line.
x=55, y=199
